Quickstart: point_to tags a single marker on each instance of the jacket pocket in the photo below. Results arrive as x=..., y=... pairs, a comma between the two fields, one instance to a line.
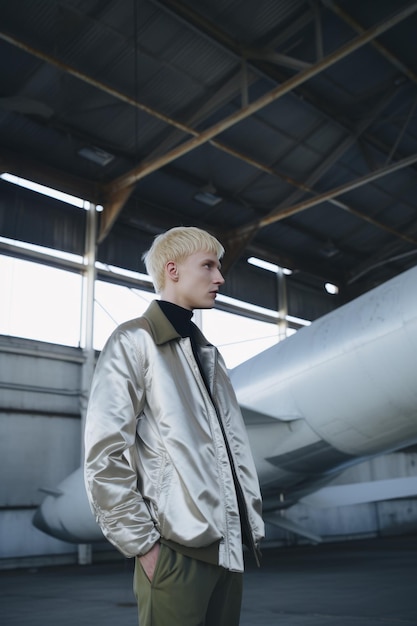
x=163, y=491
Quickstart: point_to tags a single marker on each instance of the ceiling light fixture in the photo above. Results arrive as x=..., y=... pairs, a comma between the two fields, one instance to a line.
x=329, y=249
x=331, y=288
x=208, y=198
x=208, y=195
x=97, y=155
x=266, y=265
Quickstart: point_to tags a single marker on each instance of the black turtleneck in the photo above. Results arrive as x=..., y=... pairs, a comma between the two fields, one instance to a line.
x=179, y=317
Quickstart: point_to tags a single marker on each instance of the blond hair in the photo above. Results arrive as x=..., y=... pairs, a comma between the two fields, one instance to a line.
x=175, y=245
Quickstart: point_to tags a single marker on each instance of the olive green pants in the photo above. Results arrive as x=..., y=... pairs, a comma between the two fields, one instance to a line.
x=187, y=592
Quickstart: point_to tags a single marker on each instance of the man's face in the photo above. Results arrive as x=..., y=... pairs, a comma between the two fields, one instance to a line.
x=198, y=281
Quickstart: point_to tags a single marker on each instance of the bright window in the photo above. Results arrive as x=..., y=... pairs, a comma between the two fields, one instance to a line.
x=39, y=302
x=237, y=337
x=116, y=304
x=44, y=303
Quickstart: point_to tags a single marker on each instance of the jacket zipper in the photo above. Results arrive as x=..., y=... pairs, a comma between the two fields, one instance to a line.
x=243, y=511
x=245, y=523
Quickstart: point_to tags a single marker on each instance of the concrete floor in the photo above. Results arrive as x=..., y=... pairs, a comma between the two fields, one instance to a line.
x=361, y=583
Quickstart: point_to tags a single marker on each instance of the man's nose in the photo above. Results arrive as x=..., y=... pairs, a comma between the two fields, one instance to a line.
x=219, y=279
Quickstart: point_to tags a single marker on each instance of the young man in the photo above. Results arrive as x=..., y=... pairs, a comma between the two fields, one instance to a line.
x=169, y=472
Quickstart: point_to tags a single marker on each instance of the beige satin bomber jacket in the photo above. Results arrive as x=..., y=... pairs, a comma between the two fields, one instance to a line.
x=156, y=463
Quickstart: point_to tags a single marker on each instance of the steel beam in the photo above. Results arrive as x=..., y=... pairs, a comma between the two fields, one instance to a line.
x=147, y=167
x=338, y=191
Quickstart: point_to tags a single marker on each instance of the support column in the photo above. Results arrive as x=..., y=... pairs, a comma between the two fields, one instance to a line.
x=198, y=318
x=282, y=304
x=85, y=550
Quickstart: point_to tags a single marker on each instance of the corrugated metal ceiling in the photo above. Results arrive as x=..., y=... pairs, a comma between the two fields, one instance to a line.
x=71, y=72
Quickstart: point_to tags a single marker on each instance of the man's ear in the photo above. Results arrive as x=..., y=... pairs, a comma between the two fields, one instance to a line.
x=172, y=270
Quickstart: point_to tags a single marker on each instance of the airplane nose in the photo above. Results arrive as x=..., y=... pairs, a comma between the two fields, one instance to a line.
x=48, y=519
x=39, y=521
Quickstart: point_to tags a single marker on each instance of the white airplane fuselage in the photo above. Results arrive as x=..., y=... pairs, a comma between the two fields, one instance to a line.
x=336, y=392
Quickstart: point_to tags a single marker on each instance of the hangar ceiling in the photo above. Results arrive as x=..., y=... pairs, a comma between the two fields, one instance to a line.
x=288, y=128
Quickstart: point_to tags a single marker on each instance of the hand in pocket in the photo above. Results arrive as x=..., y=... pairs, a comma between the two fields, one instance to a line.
x=149, y=560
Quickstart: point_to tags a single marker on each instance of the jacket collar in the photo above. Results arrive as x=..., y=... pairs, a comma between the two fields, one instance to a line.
x=161, y=328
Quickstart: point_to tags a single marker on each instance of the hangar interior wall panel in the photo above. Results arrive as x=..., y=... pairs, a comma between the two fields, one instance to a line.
x=389, y=517
x=21, y=540
x=40, y=438
x=38, y=452
x=337, y=522
x=396, y=519
x=40, y=220
x=39, y=377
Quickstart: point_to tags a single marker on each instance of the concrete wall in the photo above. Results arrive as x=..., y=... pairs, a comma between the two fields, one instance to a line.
x=40, y=444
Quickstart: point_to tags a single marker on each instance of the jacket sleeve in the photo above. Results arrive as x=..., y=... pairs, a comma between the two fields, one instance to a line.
x=116, y=399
